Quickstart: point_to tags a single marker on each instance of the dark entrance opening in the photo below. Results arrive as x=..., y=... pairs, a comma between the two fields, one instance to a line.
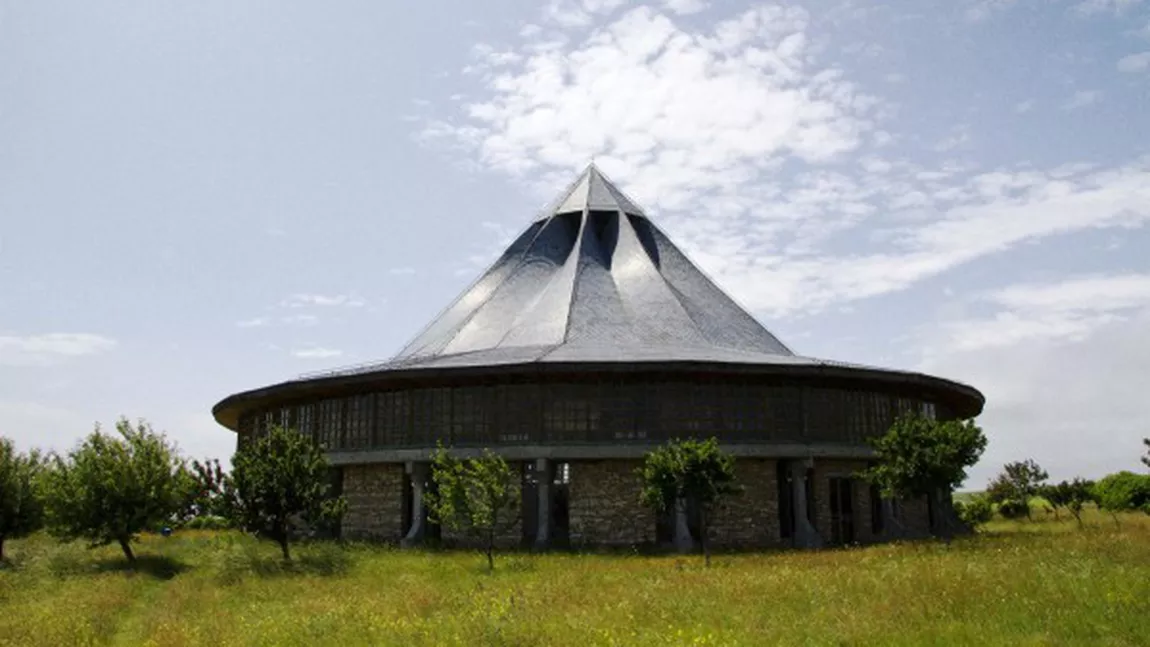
x=786, y=499
x=560, y=506
x=529, y=511
x=408, y=505
x=842, y=511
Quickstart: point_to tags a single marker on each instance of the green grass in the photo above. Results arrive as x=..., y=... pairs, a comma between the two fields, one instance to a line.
x=1022, y=583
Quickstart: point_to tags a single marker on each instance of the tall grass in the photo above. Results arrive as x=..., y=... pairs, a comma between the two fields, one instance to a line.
x=1020, y=583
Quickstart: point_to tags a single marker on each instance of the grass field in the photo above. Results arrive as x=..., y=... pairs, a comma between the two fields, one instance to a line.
x=1020, y=583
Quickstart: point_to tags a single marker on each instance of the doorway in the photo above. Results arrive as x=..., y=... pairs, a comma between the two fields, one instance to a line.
x=842, y=511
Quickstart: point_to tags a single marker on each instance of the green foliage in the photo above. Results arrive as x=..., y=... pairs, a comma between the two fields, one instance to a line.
x=688, y=470
x=478, y=496
x=113, y=487
x=21, y=510
x=1146, y=458
x=1071, y=495
x=974, y=511
x=277, y=480
x=1124, y=491
x=919, y=456
x=1015, y=486
x=207, y=497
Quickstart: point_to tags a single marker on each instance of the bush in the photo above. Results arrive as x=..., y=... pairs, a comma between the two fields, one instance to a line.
x=1124, y=491
x=975, y=511
x=1013, y=508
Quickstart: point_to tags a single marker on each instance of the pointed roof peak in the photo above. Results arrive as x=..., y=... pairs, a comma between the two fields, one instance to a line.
x=593, y=191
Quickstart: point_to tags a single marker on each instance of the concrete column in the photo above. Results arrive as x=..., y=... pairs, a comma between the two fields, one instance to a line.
x=805, y=534
x=683, y=542
x=545, y=476
x=419, y=473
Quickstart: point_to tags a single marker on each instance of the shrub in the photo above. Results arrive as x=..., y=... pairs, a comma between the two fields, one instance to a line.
x=975, y=511
x=1013, y=508
x=1124, y=491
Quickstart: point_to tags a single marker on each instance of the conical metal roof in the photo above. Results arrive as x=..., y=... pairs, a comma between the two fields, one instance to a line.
x=593, y=280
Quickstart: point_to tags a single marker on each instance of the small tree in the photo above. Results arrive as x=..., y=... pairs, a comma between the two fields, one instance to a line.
x=277, y=481
x=21, y=512
x=923, y=457
x=1071, y=495
x=688, y=470
x=113, y=487
x=975, y=511
x=477, y=496
x=1146, y=458
x=208, y=497
x=1123, y=492
x=1016, y=485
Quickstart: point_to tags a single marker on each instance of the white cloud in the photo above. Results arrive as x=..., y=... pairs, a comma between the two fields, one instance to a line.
x=638, y=95
x=40, y=350
x=300, y=320
x=322, y=300
x=685, y=7
x=983, y=9
x=1063, y=365
x=1023, y=107
x=316, y=352
x=959, y=138
x=255, y=322
x=1134, y=62
x=1082, y=99
x=1092, y=7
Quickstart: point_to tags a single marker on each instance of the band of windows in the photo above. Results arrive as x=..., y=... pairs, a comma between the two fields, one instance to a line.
x=565, y=413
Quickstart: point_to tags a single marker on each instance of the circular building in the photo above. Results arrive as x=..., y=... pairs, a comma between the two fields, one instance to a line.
x=590, y=340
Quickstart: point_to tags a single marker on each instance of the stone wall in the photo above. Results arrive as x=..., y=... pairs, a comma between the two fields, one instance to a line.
x=374, y=496
x=825, y=469
x=604, y=506
x=749, y=519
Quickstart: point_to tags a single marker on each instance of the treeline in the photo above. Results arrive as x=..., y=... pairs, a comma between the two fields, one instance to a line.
x=113, y=486
x=1015, y=490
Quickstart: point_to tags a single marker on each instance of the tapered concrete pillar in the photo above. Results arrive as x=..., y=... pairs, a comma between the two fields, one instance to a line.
x=683, y=542
x=805, y=534
x=545, y=476
x=418, y=472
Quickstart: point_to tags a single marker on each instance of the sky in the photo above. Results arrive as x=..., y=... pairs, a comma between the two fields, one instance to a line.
x=203, y=198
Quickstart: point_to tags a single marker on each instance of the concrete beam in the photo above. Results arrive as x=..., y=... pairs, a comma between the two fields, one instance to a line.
x=560, y=453
x=419, y=473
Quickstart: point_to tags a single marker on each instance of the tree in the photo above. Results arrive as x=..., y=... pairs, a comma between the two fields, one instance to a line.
x=277, y=481
x=922, y=457
x=1123, y=492
x=21, y=511
x=1016, y=485
x=207, y=497
x=1146, y=458
x=688, y=470
x=477, y=496
x=1072, y=495
x=111, y=488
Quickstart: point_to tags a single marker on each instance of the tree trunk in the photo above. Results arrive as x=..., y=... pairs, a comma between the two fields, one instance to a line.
x=281, y=537
x=491, y=550
x=126, y=546
x=703, y=532
x=1, y=548
x=1078, y=518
